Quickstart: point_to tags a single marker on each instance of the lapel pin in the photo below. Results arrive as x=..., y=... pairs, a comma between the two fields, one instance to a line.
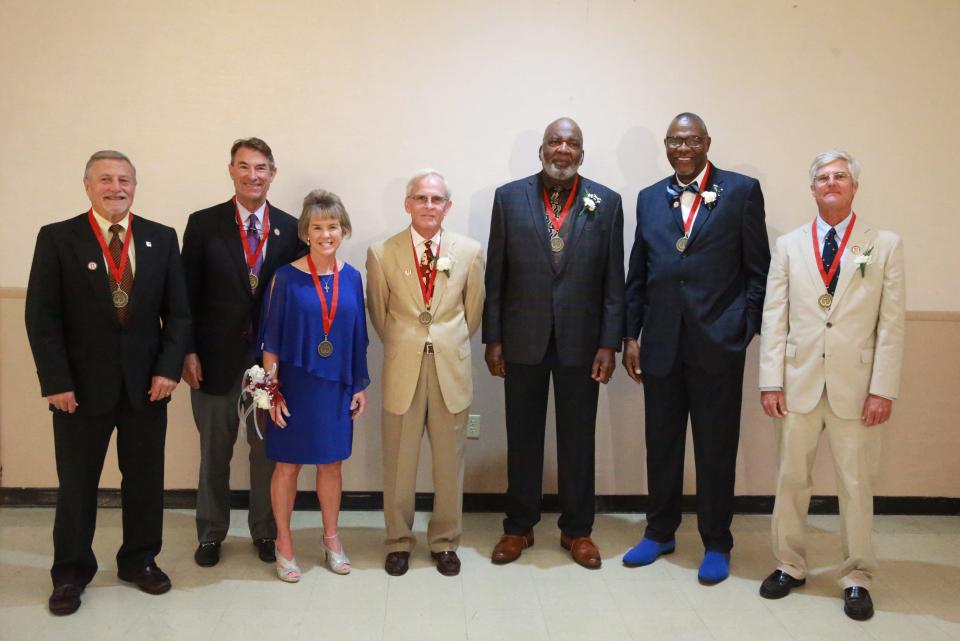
x=276, y=232
x=148, y=244
x=855, y=249
x=407, y=272
x=676, y=203
x=91, y=266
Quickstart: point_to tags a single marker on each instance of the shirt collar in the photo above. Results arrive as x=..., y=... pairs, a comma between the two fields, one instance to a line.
x=823, y=227
x=698, y=179
x=418, y=240
x=245, y=214
x=105, y=224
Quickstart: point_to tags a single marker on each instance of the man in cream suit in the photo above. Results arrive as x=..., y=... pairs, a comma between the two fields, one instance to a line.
x=830, y=353
x=425, y=300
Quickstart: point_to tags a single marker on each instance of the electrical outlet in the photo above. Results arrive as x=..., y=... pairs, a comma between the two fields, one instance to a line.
x=473, y=426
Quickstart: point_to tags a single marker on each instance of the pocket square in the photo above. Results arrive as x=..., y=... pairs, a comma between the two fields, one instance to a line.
x=148, y=244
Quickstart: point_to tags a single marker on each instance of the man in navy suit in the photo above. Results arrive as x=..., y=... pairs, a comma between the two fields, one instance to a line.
x=108, y=323
x=554, y=308
x=695, y=287
x=230, y=252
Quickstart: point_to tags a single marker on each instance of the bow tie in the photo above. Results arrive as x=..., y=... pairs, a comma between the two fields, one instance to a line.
x=675, y=191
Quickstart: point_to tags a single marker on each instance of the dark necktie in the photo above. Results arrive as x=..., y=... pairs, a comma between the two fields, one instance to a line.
x=126, y=278
x=427, y=262
x=253, y=241
x=829, y=255
x=555, y=201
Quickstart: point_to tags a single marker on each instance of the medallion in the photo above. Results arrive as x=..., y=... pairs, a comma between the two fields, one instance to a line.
x=254, y=281
x=425, y=318
x=682, y=244
x=120, y=298
x=556, y=244
x=325, y=348
x=825, y=301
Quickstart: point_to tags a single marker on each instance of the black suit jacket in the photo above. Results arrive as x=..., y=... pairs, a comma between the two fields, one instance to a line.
x=706, y=302
x=581, y=302
x=77, y=341
x=226, y=314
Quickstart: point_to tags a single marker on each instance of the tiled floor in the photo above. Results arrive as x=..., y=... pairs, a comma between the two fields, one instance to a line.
x=542, y=596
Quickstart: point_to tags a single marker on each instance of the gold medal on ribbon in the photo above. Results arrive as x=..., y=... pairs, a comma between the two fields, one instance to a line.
x=682, y=244
x=325, y=348
x=825, y=301
x=120, y=298
x=425, y=318
x=254, y=281
x=556, y=244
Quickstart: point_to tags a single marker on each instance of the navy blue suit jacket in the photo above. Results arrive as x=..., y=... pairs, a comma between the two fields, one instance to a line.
x=581, y=302
x=705, y=304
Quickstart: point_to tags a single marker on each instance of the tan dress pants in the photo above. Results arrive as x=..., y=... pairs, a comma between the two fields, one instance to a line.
x=856, y=453
x=402, y=434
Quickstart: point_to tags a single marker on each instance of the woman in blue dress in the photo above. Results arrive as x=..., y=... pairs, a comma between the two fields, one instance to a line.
x=314, y=330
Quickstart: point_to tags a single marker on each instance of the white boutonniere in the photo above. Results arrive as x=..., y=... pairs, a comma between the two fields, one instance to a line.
x=590, y=202
x=445, y=264
x=864, y=259
x=711, y=197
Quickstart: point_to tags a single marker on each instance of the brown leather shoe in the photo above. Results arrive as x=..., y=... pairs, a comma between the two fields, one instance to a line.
x=448, y=563
x=510, y=546
x=397, y=563
x=583, y=550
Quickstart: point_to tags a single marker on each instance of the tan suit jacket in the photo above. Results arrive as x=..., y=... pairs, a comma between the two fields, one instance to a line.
x=394, y=301
x=855, y=347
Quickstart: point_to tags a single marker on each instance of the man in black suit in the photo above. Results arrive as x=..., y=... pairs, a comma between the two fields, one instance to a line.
x=108, y=320
x=230, y=252
x=554, y=307
x=698, y=272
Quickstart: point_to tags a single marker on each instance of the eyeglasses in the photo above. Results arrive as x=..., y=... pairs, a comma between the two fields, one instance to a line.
x=837, y=176
x=425, y=200
x=693, y=142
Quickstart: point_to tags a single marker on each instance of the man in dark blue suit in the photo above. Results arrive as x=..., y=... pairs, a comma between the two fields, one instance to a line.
x=698, y=272
x=554, y=308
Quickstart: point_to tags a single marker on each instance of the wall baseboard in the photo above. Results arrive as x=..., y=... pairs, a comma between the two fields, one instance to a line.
x=373, y=501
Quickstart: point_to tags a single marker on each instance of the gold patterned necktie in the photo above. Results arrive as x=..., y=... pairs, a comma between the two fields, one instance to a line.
x=126, y=278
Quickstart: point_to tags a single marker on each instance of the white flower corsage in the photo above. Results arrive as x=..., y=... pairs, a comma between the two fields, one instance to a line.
x=864, y=259
x=444, y=264
x=590, y=202
x=263, y=389
x=710, y=197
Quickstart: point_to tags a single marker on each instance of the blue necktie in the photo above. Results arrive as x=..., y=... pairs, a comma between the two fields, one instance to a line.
x=829, y=255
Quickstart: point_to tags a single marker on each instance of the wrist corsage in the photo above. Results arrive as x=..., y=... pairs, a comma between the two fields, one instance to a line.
x=260, y=390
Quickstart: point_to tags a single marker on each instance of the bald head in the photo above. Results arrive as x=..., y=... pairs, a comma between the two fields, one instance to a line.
x=690, y=120
x=562, y=150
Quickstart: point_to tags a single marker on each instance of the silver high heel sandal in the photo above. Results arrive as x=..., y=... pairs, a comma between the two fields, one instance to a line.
x=287, y=569
x=338, y=562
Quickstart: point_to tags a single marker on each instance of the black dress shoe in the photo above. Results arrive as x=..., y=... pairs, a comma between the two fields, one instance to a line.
x=448, y=563
x=778, y=585
x=857, y=603
x=65, y=599
x=266, y=550
x=397, y=563
x=207, y=554
x=150, y=579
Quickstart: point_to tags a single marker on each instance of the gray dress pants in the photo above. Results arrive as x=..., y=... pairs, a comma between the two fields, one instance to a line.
x=218, y=424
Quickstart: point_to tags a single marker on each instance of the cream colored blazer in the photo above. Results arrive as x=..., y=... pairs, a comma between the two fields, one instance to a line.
x=854, y=348
x=394, y=303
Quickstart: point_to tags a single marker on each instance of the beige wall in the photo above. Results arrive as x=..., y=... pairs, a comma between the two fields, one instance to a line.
x=355, y=96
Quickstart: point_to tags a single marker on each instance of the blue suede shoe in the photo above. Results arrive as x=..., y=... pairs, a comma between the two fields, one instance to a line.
x=646, y=552
x=714, y=569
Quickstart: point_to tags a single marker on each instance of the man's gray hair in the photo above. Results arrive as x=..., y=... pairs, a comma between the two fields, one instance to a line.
x=833, y=155
x=108, y=154
x=423, y=173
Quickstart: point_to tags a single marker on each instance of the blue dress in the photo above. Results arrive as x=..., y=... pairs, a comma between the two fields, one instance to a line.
x=318, y=390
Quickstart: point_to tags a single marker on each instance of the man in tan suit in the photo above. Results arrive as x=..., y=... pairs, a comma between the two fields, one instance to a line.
x=425, y=300
x=830, y=352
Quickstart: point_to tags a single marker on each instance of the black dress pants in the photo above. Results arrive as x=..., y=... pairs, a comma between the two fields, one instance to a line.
x=81, y=444
x=712, y=401
x=526, y=389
